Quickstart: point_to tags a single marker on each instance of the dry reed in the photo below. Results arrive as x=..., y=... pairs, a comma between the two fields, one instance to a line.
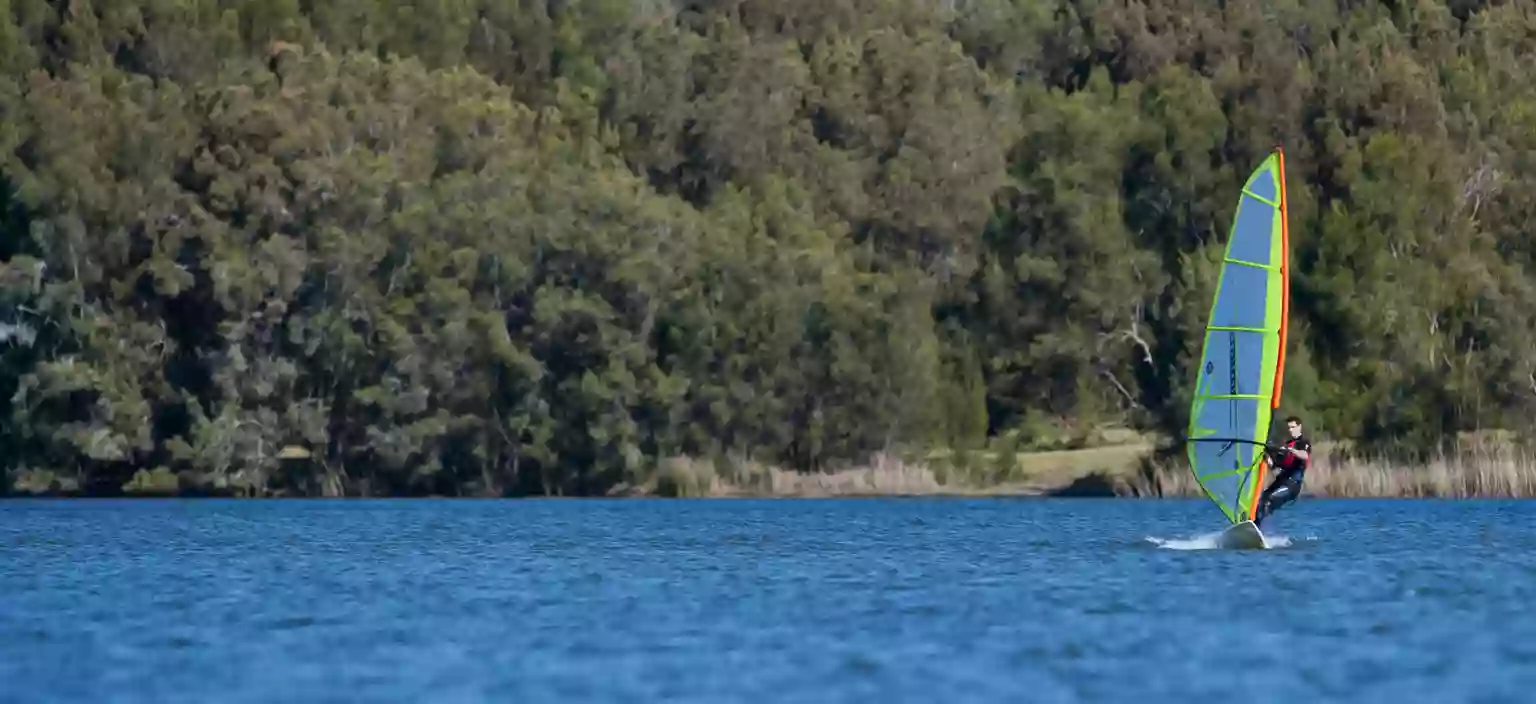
x=1470, y=470
x=885, y=475
x=1473, y=471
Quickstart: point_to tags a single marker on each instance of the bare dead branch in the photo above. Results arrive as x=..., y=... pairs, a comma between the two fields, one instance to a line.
x=1133, y=334
x=1483, y=182
x=1120, y=387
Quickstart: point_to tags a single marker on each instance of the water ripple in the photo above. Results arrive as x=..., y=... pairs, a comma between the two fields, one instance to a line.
x=708, y=601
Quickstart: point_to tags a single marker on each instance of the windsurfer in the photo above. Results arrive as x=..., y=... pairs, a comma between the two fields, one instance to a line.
x=1292, y=458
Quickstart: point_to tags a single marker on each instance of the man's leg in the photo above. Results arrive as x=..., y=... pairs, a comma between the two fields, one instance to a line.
x=1281, y=489
x=1287, y=490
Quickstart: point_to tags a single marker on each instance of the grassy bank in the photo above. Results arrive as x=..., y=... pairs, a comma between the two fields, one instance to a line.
x=1098, y=471
x=1489, y=466
x=1095, y=471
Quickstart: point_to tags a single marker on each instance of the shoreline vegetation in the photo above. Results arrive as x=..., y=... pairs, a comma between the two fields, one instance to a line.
x=655, y=247
x=1477, y=469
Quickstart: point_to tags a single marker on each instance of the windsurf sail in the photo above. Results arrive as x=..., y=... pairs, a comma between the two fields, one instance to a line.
x=1242, y=365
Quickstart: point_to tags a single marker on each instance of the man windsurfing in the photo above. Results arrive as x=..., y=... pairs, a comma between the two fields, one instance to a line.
x=1292, y=459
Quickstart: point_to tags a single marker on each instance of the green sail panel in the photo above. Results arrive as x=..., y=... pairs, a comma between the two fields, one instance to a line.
x=1234, y=393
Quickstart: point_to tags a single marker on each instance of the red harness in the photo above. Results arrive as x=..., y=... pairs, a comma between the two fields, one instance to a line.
x=1289, y=461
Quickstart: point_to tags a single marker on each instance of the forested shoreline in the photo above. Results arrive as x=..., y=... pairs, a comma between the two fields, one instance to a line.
x=503, y=247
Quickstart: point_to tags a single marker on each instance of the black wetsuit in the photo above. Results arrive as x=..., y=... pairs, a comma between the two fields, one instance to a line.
x=1287, y=484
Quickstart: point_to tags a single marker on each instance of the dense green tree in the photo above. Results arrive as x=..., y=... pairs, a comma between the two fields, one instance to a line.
x=502, y=247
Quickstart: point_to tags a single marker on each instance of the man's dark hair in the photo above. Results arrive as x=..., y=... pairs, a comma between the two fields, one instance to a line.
x=1293, y=419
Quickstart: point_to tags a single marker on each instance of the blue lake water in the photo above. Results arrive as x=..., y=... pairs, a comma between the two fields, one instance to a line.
x=864, y=600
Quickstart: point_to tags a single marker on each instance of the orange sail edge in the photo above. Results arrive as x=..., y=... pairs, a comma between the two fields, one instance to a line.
x=1285, y=278
x=1285, y=309
x=1258, y=486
